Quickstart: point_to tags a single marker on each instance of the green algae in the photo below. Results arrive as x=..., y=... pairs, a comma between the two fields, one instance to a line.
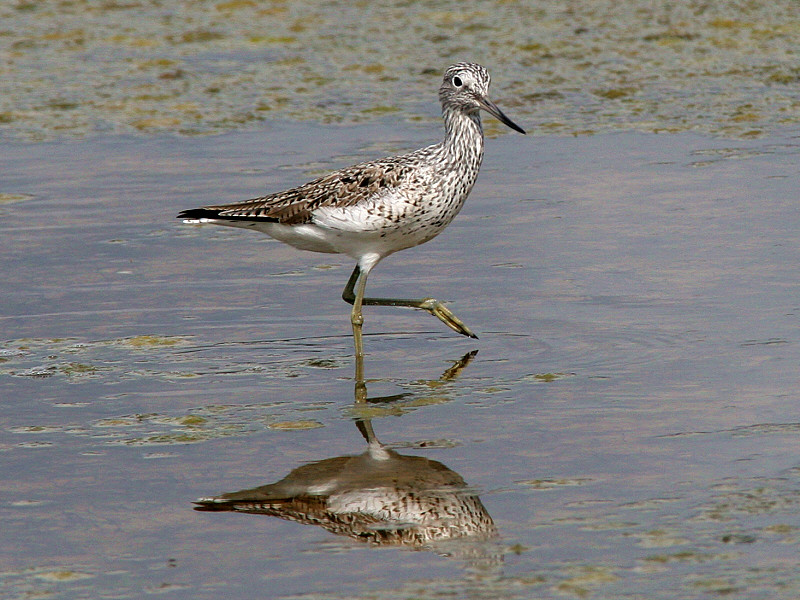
x=591, y=67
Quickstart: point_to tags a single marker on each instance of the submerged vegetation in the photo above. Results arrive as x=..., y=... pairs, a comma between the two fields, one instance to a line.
x=80, y=68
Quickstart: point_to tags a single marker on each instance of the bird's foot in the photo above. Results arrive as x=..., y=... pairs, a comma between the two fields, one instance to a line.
x=441, y=312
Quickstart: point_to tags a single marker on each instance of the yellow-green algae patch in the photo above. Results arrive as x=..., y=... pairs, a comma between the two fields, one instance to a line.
x=12, y=198
x=582, y=579
x=150, y=341
x=549, y=484
x=588, y=67
x=295, y=425
x=63, y=575
x=545, y=377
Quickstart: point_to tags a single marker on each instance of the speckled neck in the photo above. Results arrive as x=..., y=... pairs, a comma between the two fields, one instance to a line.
x=463, y=138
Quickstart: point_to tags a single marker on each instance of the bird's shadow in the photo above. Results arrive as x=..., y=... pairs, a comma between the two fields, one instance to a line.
x=379, y=497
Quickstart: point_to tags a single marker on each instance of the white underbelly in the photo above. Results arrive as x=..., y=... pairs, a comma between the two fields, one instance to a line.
x=357, y=230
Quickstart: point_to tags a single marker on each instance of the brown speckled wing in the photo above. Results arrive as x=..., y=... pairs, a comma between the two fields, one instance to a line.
x=346, y=187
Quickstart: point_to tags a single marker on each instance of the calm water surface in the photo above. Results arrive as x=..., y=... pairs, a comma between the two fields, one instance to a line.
x=629, y=421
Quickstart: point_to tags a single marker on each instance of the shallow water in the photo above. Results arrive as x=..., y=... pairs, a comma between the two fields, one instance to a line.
x=629, y=421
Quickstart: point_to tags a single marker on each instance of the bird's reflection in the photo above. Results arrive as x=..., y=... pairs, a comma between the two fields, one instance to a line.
x=380, y=496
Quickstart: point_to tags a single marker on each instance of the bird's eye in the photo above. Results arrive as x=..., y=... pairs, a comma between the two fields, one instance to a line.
x=457, y=81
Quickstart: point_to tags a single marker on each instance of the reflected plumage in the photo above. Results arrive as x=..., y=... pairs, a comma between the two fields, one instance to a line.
x=380, y=496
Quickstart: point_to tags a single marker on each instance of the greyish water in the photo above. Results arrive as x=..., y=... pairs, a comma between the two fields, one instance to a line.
x=629, y=422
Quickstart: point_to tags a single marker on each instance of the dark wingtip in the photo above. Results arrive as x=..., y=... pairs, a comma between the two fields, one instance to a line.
x=210, y=505
x=198, y=213
x=195, y=214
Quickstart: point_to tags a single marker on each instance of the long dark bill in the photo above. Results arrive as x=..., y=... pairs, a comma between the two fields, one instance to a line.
x=493, y=110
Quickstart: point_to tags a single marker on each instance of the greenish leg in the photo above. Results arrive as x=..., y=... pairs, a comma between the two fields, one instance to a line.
x=361, y=384
x=354, y=294
x=356, y=318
